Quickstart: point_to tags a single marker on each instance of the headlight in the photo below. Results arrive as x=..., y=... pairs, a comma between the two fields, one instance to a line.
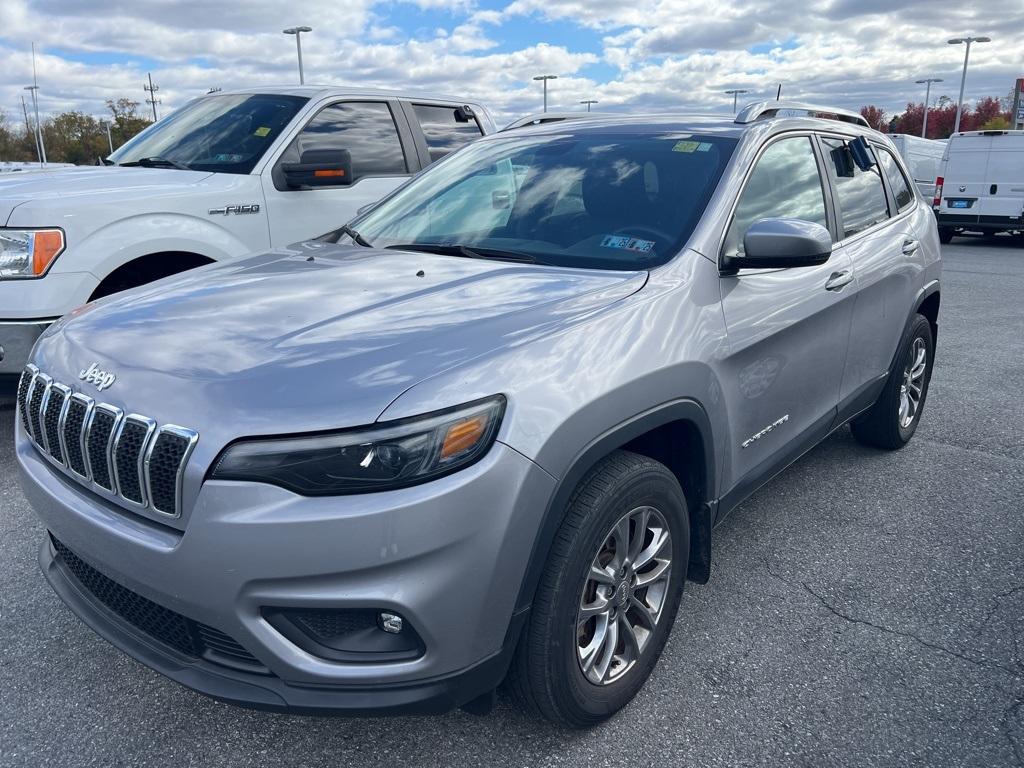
x=28, y=252
x=379, y=458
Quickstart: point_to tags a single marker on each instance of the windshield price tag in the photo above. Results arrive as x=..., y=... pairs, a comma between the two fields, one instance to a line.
x=626, y=243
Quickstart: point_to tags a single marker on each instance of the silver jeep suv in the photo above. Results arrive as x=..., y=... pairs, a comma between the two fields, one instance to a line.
x=485, y=431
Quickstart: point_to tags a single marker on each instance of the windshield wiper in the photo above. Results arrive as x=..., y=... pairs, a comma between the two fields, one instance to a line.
x=156, y=162
x=476, y=252
x=334, y=235
x=104, y=161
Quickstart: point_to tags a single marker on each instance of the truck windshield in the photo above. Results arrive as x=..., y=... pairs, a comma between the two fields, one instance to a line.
x=612, y=200
x=224, y=134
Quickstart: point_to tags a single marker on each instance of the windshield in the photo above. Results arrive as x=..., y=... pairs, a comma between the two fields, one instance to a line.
x=601, y=200
x=225, y=134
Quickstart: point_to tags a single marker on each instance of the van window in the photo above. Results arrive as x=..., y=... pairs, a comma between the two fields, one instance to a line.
x=861, y=194
x=785, y=183
x=444, y=132
x=366, y=129
x=897, y=181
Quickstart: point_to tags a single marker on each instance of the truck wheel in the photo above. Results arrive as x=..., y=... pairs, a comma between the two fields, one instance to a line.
x=946, y=235
x=609, y=593
x=893, y=419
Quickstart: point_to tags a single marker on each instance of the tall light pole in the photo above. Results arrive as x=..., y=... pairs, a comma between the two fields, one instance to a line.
x=927, y=101
x=735, y=93
x=588, y=102
x=963, y=77
x=545, y=78
x=297, y=31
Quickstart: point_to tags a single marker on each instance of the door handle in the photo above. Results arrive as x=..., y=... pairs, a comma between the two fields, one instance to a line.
x=837, y=280
x=910, y=246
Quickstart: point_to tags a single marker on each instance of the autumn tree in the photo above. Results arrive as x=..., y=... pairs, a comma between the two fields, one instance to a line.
x=876, y=117
x=127, y=121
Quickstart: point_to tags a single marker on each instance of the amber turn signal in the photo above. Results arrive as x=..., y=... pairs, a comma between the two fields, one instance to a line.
x=463, y=435
x=46, y=245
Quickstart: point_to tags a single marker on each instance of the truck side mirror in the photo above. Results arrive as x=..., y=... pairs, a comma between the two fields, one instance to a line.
x=319, y=168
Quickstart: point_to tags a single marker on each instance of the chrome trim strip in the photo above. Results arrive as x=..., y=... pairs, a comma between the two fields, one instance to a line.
x=37, y=424
x=179, y=481
x=30, y=368
x=89, y=404
x=150, y=426
x=66, y=391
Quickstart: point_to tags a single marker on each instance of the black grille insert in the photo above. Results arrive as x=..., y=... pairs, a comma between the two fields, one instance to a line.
x=165, y=463
x=99, y=438
x=35, y=404
x=51, y=421
x=23, y=385
x=130, y=445
x=185, y=635
x=73, y=423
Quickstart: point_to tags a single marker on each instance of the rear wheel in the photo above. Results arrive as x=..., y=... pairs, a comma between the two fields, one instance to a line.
x=609, y=593
x=893, y=419
x=946, y=235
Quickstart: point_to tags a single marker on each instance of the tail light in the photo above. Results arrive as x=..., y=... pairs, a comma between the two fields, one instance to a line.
x=937, y=201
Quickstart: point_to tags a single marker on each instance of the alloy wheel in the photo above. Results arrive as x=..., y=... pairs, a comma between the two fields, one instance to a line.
x=913, y=382
x=624, y=594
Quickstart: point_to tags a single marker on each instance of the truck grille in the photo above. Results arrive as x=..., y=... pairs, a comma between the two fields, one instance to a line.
x=126, y=456
x=181, y=633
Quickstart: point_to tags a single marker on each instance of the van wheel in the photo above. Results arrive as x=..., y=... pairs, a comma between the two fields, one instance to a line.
x=893, y=419
x=946, y=235
x=608, y=595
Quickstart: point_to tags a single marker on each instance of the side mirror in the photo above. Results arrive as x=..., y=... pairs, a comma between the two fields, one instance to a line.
x=319, y=168
x=783, y=243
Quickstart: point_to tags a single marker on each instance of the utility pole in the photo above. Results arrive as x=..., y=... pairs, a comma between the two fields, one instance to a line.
x=588, y=102
x=41, y=145
x=735, y=93
x=152, y=89
x=544, y=79
x=110, y=139
x=927, y=101
x=29, y=129
x=778, y=93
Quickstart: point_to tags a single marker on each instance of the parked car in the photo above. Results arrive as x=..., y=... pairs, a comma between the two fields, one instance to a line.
x=485, y=430
x=227, y=174
x=981, y=185
x=923, y=158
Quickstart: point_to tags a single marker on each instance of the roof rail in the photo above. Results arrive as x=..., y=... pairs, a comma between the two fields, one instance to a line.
x=762, y=110
x=540, y=118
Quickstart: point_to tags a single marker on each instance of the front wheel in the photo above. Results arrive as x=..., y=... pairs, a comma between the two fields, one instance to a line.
x=608, y=595
x=893, y=419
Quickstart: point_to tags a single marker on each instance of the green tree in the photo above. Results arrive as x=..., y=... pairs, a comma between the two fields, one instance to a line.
x=127, y=121
x=75, y=137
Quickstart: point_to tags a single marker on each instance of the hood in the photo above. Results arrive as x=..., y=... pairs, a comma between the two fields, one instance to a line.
x=64, y=183
x=313, y=337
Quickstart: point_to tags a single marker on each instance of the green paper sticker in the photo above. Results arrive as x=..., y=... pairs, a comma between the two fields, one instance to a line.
x=263, y=131
x=686, y=146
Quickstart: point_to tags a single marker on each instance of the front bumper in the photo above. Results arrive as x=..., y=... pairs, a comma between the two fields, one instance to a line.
x=17, y=338
x=449, y=556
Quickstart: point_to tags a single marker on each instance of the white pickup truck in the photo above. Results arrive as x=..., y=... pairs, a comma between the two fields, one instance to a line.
x=227, y=174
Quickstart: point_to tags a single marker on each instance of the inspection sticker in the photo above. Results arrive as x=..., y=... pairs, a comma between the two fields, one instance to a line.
x=263, y=131
x=626, y=243
x=692, y=146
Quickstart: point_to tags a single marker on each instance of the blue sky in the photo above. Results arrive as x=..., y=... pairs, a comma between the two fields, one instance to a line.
x=644, y=55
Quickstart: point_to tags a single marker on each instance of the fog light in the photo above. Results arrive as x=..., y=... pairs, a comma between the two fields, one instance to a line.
x=390, y=622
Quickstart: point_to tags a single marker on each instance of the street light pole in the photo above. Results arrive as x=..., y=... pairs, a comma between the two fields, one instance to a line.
x=588, y=102
x=735, y=92
x=927, y=101
x=545, y=79
x=297, y=31
x=963, y=76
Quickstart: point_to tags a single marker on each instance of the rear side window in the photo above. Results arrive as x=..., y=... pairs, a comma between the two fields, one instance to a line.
x=861, y=194
x=897, y=181
x=785, y=183
x=443, y=129
x=366, y=129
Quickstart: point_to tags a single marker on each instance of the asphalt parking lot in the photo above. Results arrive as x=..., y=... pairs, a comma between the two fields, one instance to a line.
x=864, y=609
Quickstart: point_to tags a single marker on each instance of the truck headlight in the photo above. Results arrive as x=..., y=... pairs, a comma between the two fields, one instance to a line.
x=382, y=457
x=28, y=252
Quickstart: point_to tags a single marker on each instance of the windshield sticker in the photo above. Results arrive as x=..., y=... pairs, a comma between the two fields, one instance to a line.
x=626, y=243
x=686, y=146
x=262, y=131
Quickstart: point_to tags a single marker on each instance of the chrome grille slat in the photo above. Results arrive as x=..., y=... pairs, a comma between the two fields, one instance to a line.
x=127, y=457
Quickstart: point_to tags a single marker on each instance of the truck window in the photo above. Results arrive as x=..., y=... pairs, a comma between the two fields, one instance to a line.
x=443, y=131
x=785, y=183
x=897, y=181
x=861, y=194
x=366, y=129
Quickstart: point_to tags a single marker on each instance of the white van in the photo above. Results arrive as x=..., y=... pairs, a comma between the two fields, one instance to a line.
x=981, y=184
x=923, y=158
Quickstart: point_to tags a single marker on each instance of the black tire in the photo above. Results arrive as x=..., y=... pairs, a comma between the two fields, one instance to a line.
x=881, y=426
x=547, y=674
x=946, y=235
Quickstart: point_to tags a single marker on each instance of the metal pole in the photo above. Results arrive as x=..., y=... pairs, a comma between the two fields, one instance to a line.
x=152, y=94
x=963, y=81
x=778, y=93
x=110, y=139
x=927, y=101
x=30, y=129
x=298, y=49
x=35, y=103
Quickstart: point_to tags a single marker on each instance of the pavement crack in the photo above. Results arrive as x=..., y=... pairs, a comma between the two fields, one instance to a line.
x=982, y=663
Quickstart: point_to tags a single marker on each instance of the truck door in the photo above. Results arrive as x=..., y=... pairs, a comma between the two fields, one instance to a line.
x=379, y=140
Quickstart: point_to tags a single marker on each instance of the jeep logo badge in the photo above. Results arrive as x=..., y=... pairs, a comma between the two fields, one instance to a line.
x=100, y=379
